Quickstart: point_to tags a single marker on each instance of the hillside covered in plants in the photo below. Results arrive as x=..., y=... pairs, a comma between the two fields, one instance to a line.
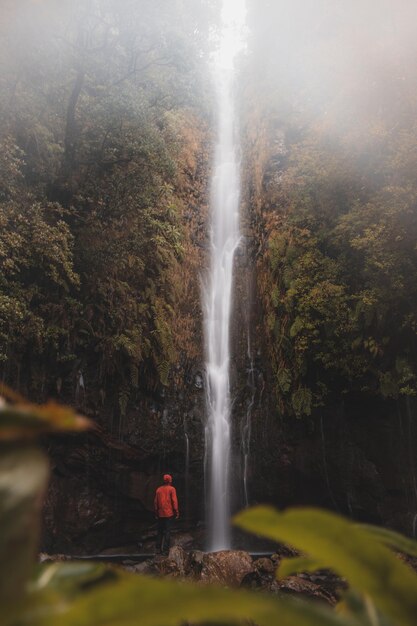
x=335, y=188
x=104, y=127
x=107, y=144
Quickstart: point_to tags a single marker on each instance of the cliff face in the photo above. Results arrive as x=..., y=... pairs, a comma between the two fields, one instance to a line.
x=105, y=158
x=353, y=452
x=104, y=150
x=102, y=487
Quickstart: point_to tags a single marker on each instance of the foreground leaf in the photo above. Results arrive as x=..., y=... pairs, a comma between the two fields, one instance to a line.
x=72, y=577
x=349, y=550
x=140, y=601
x=362, y=609
x=287, y=567
x=392, y=539
x=23, y=478
x=24, y=420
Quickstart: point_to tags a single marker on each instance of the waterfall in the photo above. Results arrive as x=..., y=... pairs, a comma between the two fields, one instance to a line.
x=224, y=240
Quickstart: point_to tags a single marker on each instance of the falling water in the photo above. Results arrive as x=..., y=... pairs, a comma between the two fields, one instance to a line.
x=218, y=296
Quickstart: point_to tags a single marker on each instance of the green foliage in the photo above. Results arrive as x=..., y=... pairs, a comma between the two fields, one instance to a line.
x=351, y=551
x=133, y=600
x=301, y=402
x=297, y=565
x=90, y=594
x=96, y=105
x=36, y=261
x=392, y=539
x=332, y=178
x=284, y=379
x=23, y=479
x=24, y=472
x=29, y=420
x=339, y=274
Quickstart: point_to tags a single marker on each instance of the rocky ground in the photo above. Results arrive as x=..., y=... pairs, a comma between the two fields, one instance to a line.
x=237, y=568
x=229, y=568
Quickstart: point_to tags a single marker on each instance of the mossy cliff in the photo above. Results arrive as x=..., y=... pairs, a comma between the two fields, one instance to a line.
x=106, y=150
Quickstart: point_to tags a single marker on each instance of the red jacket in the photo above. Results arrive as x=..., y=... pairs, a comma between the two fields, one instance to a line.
x=166, y=503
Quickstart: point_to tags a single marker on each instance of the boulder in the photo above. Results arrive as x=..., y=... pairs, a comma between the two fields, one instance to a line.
x=167, y=567
x=298, y=585
x=264, y=566
x=181, y=559
x=227, y=567
x=262, y=575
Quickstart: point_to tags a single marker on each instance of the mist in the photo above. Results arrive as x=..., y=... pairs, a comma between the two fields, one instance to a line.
x=323, y=55
x=342, y=59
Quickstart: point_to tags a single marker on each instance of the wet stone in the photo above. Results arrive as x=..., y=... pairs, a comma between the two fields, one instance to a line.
x=264, y=566
x=298, y=585
x=227, y=567
x=181, y=558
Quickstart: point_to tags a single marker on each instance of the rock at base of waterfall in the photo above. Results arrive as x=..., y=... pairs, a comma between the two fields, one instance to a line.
x=181, y=559
x=227, y=567
x=265, y=566
x=301, y=586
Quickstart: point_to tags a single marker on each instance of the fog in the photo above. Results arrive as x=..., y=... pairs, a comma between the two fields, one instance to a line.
x=317, y=46
x=330, y=55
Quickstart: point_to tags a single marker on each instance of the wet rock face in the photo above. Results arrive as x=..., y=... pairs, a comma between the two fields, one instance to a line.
x=227, y=567
x=265, y=566
x=102, y=486
x=359, y=460
x=181, y=559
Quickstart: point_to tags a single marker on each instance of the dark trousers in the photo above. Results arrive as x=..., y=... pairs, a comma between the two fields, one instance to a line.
x=163, y=537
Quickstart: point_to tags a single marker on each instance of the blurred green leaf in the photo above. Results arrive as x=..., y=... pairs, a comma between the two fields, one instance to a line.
x=362, y=609
x=287, y=567
x=24, y=420
x=392, y=539
x=140, y=601
x=71, y=577
x=23, y=479
x=350, y=551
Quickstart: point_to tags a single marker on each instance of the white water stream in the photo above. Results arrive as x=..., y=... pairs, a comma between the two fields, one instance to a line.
x=225, y=236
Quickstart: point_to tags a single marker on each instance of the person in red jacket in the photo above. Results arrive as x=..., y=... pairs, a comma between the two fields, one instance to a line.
x=166, y=510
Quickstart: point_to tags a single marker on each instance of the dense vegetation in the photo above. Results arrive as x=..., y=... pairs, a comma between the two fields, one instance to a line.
x=102, y=109
x=101, y=141
x=336, y=195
